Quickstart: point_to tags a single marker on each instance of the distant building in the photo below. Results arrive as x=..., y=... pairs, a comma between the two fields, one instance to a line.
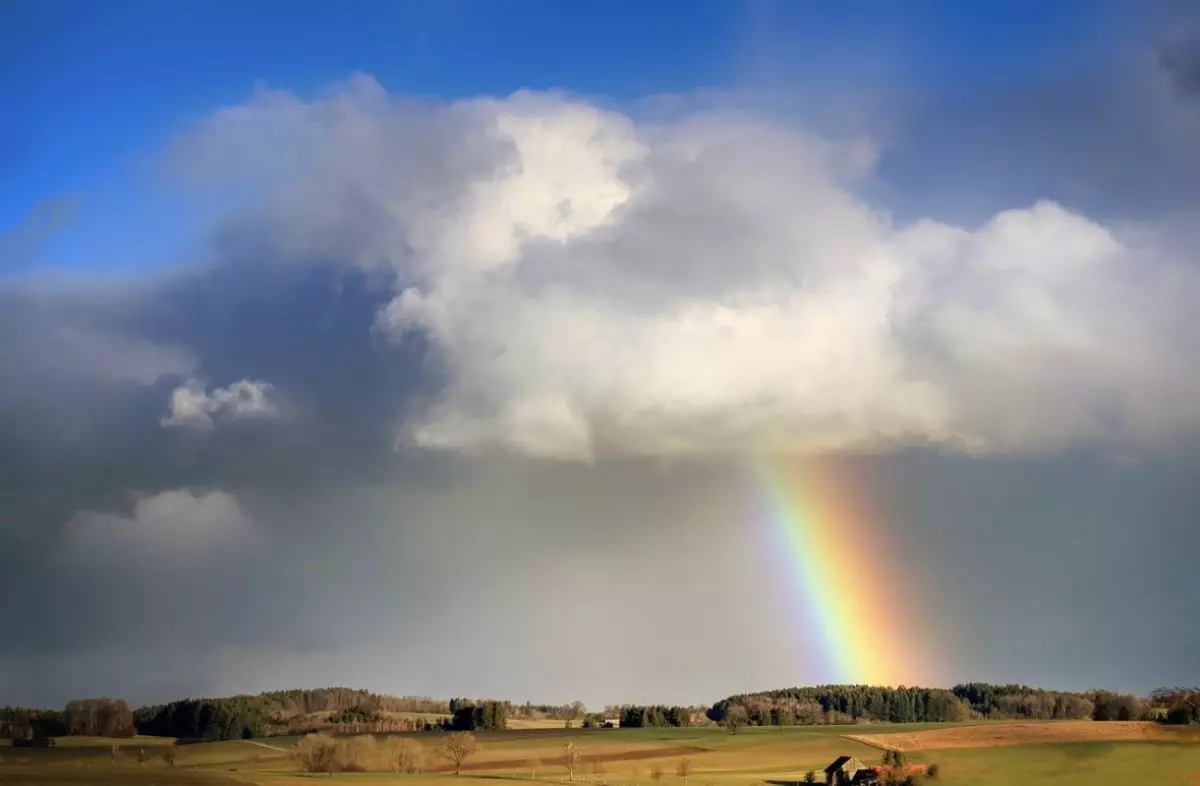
x=611, y=723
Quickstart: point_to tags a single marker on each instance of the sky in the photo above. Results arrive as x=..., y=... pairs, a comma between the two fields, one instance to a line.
x=437, y=348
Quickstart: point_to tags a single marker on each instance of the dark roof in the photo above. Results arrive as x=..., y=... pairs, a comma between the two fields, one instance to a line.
x=838, y=763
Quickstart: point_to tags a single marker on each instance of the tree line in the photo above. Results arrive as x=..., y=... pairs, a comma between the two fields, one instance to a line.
x=635, y=716
x=563, y=712
x=20, y=723
x=81, y=717
x=306, y=702
x=355, y=711
x=287, y=711
x=234, y=718
x=837, y=704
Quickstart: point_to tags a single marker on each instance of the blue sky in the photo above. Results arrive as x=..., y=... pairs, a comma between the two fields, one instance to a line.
x=99, y=88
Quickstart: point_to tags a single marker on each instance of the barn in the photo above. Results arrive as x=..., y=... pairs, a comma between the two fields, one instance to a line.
x=848, y=770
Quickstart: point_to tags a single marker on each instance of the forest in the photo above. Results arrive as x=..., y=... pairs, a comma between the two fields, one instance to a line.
x=302, y=711
x=976, y=700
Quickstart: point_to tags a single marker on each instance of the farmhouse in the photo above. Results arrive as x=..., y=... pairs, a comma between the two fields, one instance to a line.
x=848, y=770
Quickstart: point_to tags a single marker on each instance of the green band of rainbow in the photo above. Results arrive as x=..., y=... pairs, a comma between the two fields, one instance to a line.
x=839, y=576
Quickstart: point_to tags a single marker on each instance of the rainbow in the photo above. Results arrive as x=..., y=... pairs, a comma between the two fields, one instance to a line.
x=840, y=574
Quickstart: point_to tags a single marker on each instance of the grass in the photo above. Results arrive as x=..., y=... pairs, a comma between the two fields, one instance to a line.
x=1071, y=763
x=753, y=757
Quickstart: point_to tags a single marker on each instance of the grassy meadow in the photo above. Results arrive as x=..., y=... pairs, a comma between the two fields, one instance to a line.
x=1079, y=753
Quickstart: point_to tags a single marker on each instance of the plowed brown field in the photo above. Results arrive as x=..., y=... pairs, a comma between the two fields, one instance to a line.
x=994, y=734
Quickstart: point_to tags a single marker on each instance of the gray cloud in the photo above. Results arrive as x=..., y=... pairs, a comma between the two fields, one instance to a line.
x=444, y=295
x=168, y=526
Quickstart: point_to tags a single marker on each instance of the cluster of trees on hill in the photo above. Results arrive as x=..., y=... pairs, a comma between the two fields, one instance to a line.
x=20, y=723
x=1109, y=706
x=478, y=715
x=356, y=714
x=99, y=718
x=1022, y=701
x=563, y=712
x=244, y=717
x=839, y=704
x=655, y=715
x=860, y=703
x=235, y=718
x=287, y=703
x=85, y=717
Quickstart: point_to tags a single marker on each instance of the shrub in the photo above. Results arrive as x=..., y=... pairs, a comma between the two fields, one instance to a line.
x=316, y=753
x=1179, y=716
x=404, y=754
x=357, y=754
x=1108, y=706
x=34, y=742
x=933, y=770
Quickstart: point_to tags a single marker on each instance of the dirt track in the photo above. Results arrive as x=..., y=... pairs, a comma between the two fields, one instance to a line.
x=994, y=734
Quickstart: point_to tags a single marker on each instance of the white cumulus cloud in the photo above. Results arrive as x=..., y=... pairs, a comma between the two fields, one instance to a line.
x=193, y=406
x=590, y=285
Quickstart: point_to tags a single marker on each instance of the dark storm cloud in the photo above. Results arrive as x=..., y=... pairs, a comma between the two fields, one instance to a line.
x=81, y=433
x=1181, y=60
x=338, y=537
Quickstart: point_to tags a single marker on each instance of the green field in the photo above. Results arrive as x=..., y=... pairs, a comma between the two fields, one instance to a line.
x=753, y=757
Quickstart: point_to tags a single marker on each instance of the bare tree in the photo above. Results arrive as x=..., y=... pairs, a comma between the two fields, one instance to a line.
x=810, y=777
x=656, y=773
x=534, y=763
x=735, y=718
x=459, y=746
x=169, y=755
x=684, y=770
x=571, y=756
x=405, y=754
x=141, y=756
